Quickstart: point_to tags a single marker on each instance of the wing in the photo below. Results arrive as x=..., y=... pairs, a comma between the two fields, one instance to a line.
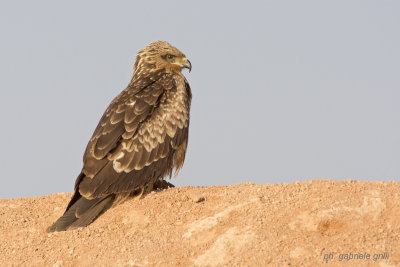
x=133, y=141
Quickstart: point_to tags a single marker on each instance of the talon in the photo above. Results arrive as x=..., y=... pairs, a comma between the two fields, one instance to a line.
x=162, y=184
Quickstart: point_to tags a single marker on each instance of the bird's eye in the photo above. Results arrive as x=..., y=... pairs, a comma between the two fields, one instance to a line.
x=170, y=56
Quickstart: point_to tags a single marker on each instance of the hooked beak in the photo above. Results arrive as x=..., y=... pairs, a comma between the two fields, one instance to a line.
x=186, y=64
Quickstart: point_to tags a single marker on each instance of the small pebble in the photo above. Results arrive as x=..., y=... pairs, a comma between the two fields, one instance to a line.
x=197, y=197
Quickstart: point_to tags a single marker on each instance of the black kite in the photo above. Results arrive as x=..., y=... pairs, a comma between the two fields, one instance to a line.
x=140, y=139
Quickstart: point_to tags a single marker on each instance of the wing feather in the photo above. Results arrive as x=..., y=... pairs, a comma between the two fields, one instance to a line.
x=135, y=140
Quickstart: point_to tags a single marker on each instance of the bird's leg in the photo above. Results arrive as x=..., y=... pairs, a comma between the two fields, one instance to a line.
x=142, y=192
x=162, y=184
x=138, y=192
x=145, y=190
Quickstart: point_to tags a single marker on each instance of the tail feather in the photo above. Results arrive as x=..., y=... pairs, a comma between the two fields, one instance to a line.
x=82, y=212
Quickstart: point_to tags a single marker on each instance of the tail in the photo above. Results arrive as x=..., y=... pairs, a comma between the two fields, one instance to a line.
x=81, y=212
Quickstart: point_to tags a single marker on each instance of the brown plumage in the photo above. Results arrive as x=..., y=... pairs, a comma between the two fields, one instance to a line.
x=141, y=137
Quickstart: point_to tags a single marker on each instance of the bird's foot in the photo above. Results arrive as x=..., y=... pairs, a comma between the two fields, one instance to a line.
x=161, y=185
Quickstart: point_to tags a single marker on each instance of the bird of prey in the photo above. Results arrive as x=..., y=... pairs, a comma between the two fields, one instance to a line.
x=141, y=138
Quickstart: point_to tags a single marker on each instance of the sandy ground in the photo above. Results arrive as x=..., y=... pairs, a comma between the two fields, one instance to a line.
x=316, y=223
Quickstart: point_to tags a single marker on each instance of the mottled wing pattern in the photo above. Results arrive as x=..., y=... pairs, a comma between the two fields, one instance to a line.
x=113, y=124
x=132, y=144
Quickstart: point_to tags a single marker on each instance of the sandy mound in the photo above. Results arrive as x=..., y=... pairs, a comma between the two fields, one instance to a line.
x=299, y=224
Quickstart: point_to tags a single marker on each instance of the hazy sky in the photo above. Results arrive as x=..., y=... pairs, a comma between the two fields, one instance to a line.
x=282, y=90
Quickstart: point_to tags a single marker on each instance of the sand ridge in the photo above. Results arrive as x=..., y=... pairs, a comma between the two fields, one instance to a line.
x=315, y=223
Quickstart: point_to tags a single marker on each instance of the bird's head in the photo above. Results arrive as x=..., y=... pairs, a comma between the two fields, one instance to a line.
x=161, y=55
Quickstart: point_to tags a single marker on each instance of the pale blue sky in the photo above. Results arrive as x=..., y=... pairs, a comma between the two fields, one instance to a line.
x=282, y=90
